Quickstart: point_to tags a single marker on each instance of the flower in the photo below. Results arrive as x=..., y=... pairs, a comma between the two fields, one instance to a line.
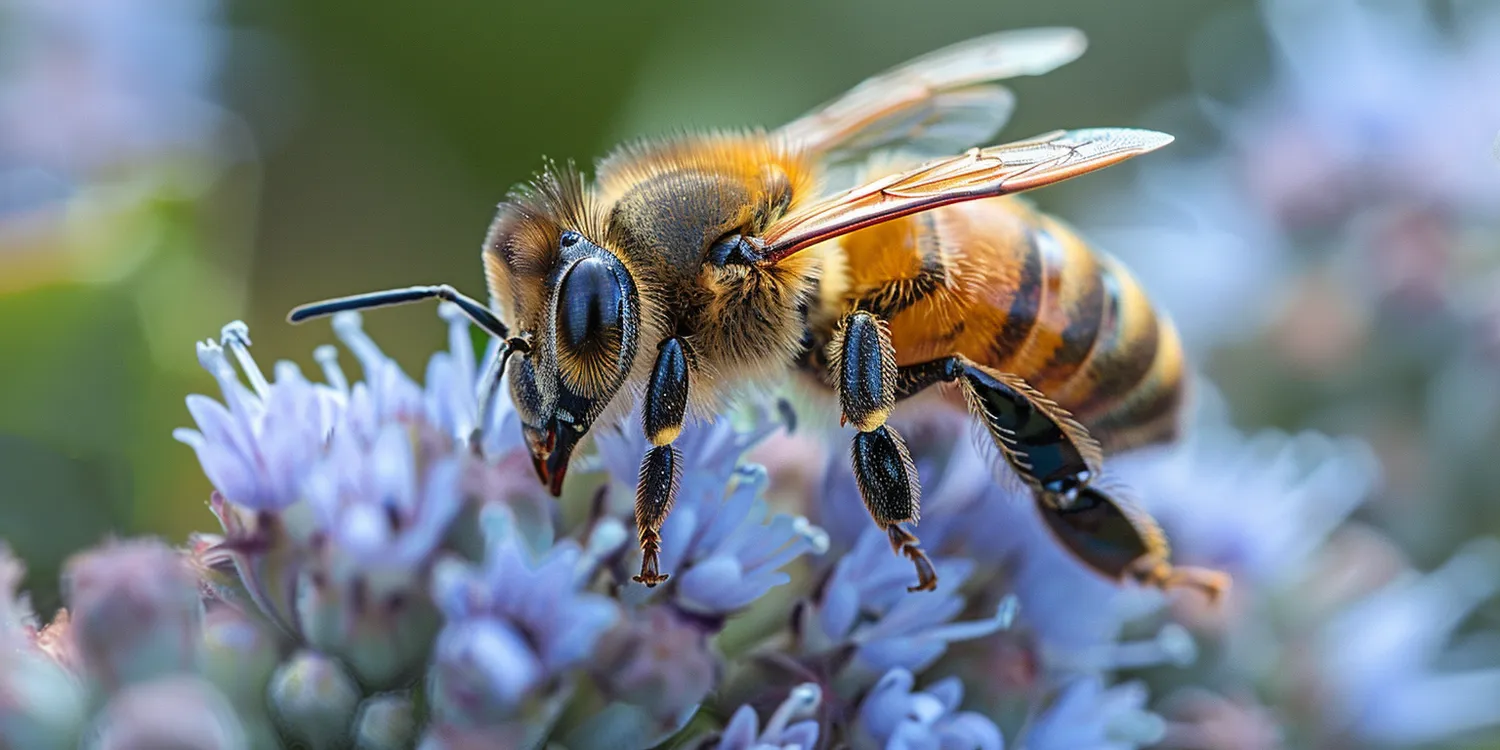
x=313, y=699
x=893, y=716
x=513, y=623
x=1087, y=715
x=335, y=497
x=93, y=84
x=1380, y=658
x=744, y=732
x=717, y=543
x=865, y=605
x=42, y=704
x=178, y=712
x=1256, y=506
x=660, y=660
x=136, y=613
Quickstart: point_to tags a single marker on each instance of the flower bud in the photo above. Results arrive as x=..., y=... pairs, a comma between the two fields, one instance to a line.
x=136, y=613
x=313, y=700
x=386, y=722
x=381, y=624
x=42, y=706
x=656, y=661
x=238, y=656
x=179, y=712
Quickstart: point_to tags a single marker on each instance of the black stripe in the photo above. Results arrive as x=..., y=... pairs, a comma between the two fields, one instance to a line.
x=894, y=297
x=1027, y=300
x=1086, y=320
x=1120, y=364
x=1150, y=417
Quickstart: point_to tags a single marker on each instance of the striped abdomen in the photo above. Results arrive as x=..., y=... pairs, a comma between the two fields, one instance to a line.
x=1011, y=288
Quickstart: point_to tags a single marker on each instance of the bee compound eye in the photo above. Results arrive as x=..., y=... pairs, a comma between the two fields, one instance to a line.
x=590, y=307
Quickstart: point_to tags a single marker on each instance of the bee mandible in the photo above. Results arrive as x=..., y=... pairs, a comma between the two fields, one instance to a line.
x=692, y=267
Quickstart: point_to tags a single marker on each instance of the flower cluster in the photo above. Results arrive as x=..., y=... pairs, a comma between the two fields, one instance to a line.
x=389, y=574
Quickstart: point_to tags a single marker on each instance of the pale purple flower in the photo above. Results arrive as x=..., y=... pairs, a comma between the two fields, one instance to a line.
x=1395, y=679
x=513, y=623
x=892, y=716
x=660, y=660
x=1371, y=113
x=136, y=612
x=336, y=496
x=42, y=703
x=782, y=730
x=258, y=446
x=180, y=711
x=721, y=544
x=1087, y=715
x=1256, y=506
x=89, y=84
x=865, y=604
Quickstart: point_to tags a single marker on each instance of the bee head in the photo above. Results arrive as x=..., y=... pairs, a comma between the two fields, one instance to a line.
x=580, y=357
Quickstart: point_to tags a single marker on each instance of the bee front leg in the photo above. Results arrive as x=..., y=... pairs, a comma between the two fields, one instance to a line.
x=864, y=365
x=661, y=417
x=1059, y=460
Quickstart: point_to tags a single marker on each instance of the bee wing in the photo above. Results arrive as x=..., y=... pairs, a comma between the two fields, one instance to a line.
x=939, y=103
x=978, y=173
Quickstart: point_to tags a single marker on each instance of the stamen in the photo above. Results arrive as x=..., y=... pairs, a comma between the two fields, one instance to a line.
x=235, y=336
x=816, y=537
x=348, y=326
x=1005, y=615
x=1136, y=729
x=461, y=359
x=327, y=357
x=212, y=358
x=1173, y=645
x=459, y=342
x=605, y=537
x=801, y=703
x=805, y=537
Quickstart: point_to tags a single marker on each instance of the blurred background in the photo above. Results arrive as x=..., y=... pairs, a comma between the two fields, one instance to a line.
x=1326, y=230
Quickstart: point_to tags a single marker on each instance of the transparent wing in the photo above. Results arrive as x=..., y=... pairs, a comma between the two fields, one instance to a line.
x=979, y=173
x=939, y=103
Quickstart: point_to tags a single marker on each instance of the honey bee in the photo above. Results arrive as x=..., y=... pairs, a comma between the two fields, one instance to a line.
x=692, y=267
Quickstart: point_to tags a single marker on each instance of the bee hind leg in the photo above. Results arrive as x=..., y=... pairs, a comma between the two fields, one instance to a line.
x=864, y=367
x=662, y=414
x=1057, y=458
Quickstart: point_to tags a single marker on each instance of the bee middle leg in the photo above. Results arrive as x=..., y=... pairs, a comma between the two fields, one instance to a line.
x=661, y=417
x=864, y=369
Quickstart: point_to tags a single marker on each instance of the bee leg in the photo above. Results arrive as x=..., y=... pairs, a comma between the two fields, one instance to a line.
x=865, y=370
x=1058, y=459
x=1113, y=535
x=661, y=416
x=1053, y=454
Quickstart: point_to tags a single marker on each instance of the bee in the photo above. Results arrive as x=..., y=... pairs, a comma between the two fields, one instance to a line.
x=692, y=267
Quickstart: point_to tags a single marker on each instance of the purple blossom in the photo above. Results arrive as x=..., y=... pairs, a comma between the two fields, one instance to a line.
x=514, y=623
x=721, y=544
x=782, y=730
x=1087, y=715
x=1257, y=506
x=865, y=604
x=892, y=716
x=1383, y=657
x=93, y=83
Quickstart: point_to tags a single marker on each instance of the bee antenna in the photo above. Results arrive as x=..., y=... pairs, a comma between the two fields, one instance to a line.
x=475, y=311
